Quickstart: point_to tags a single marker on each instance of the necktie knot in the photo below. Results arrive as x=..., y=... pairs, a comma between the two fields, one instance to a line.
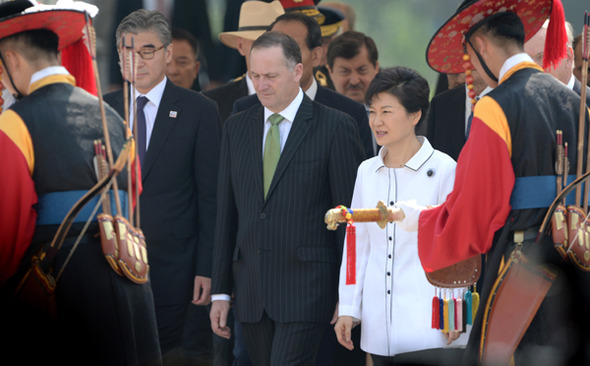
x=275, y=119
x=141, y=102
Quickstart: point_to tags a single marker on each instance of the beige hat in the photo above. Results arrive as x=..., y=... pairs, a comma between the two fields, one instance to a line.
x=255, y=17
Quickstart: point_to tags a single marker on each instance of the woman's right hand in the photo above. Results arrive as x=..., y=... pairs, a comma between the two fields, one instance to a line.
x=343, y=328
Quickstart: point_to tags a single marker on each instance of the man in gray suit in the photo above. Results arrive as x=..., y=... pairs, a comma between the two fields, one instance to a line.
x=272, y=249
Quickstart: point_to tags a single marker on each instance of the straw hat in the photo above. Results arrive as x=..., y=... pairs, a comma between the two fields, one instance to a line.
x=255, y=17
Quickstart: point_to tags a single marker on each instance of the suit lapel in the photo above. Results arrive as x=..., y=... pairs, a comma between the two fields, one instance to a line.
x=256, y=130
x=163, y=125
x=299, y=130
x=458, y=114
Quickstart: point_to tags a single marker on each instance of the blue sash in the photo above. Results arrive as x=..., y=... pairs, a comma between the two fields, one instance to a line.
x=53, y=207
x=537, y=192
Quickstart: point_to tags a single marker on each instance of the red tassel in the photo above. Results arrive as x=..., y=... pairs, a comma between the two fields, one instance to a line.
x=350, y=254
x=77, y=60
x=556, y=40
x=435, y=313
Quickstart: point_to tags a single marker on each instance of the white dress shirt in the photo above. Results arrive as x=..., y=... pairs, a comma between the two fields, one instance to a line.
x=150, y=110
x=288, y=114
x=392, y=297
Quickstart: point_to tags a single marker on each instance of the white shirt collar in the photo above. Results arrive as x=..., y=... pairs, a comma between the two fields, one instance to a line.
x=290, y=112
x=155, y=93
x=571, y=83
x=250, y=85
x=48, y=71
x=415, y=162
x=511, y=62
x=312, y=91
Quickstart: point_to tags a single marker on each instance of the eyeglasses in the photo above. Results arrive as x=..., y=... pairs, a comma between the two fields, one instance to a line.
x=147, y=53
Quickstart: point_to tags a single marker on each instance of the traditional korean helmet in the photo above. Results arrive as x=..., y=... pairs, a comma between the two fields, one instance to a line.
x=66, y=19
x=446, y=50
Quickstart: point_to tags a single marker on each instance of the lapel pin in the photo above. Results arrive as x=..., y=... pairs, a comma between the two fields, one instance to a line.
x=173, y=114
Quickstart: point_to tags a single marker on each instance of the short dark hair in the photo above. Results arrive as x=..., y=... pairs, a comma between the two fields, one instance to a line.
x=503, y=27
x=35, y=43
x=407, y=85
x=290, y=48
x=314, y=32
x=349, y=44
x=184, y=35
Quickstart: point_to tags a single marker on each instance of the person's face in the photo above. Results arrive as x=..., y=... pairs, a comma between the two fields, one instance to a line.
x=535, y=47
x=182, y=70
x=455, y=80
x=390, y=121
x=476, y=64
x=309, y=58
x=244, y=47
x=351, y=77
x=149, y=72
x=578, y=63
x=275, y=84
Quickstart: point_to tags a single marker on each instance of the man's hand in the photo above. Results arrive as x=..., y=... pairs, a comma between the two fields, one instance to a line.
x=202, y=291
x=342, y=328
x=451, y=336
x=335, y=316
x=218, y=316
x=396, y=214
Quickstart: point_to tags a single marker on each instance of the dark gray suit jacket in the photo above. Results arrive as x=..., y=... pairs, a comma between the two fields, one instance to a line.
x=578, y=90
x=178, y=201
x=225, y=95
x=334, y=100
x=445, y=125
x=275, y=254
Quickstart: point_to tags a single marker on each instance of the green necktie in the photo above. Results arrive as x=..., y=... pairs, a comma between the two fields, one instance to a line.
x=272, y=150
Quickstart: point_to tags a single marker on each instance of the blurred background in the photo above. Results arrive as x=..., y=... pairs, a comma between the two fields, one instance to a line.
x=401, y=29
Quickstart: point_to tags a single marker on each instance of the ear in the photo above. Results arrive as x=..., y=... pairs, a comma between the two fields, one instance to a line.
x=169, y=50
x=298, y=70
x=415, y=117
x=316, y=56
x=480, y=45
x=329, y=70
x=241, y=46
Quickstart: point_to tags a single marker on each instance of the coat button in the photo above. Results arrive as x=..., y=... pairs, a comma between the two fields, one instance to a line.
x=391, y=203
x=390, y=238
x=263, y=216
x=389, y=273
x=388, y=292
x=389, y=256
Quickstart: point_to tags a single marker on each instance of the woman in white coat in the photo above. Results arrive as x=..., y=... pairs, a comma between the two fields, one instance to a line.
x=391, y=296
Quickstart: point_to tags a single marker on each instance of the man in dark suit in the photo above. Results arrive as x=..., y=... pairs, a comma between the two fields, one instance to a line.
x=564, y=71
x=306, y=32
x=255, y=17
x=448, y=116
x=272, y=249
x=178, y=131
